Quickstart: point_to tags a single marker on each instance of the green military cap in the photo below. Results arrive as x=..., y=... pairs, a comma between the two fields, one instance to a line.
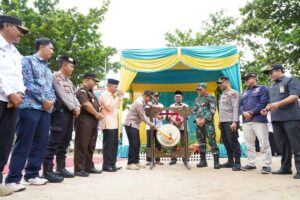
x=201, y=86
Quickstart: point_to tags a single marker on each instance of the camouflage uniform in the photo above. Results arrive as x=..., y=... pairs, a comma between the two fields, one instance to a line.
x=205, y=108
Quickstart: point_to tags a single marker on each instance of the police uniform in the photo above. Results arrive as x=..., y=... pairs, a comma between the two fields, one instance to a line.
x=86, y=128
x=205, y=108
x=286, y=121
x=228, y=113
x=61, y=123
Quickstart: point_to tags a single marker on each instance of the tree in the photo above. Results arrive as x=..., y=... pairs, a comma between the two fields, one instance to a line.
x=217, y=30
x=72, y=33
x=271, y=28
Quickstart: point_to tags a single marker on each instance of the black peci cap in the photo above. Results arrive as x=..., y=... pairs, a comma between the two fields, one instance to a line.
x=113, y=81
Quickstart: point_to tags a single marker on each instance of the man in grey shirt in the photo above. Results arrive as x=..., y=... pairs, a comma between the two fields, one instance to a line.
x=135, y=116
x=228, y=123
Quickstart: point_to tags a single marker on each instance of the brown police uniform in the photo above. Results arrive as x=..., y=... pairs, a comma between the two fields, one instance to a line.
x=86, y=128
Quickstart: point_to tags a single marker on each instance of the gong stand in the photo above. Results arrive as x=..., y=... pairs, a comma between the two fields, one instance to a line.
x=184, y=151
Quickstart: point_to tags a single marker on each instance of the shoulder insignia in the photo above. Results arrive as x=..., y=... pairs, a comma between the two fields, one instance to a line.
x=234, y=95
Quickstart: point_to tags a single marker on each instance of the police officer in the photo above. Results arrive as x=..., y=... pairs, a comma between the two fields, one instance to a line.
x=65, y=109
x=285, y=116
x=86, y=127
x=205, y=108
x=253, y=100
x=228, y=123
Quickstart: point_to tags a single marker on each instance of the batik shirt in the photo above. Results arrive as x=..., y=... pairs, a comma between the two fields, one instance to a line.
x=38, y=82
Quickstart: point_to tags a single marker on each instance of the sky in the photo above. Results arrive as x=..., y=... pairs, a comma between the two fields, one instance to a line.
x=143, y=23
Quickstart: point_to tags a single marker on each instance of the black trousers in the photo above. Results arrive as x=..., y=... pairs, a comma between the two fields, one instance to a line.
x=59, y=139
x=110, y=147
x=230, y=140
x=133, y=135
x=8, y=120
x=157, y=144
x=287, y=135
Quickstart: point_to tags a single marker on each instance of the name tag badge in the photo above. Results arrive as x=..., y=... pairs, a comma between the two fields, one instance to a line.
x=281, y=89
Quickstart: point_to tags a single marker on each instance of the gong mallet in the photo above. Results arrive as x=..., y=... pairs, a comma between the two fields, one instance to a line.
x=166, y=135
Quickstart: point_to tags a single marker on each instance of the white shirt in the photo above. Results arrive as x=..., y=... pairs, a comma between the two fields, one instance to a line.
x=157, y=122
x=11, y=78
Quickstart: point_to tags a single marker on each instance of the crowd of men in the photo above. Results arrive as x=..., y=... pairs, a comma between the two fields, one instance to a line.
x=39, y=109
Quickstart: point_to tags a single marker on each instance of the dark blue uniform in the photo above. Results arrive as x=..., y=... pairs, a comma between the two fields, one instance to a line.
x=286, y=121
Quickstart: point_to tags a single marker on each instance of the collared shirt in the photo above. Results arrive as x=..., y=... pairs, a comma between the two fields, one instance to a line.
x=281, y=89
x=229, y=106
x=65, y=91
x=11, y=78
x=84, y=95
x=254, y=99
x=110, y=105
x=158, y=122
x=205, y=107
x=38, y=82
x=178, y=117
x=136, y=114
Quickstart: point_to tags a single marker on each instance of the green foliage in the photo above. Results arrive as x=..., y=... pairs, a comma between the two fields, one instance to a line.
x=126, y=101
x=217, y=30
x=271, y=28
x=72, y=32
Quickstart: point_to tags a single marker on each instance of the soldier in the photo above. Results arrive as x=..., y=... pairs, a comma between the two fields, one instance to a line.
x=253, y=100
x=228, y=123
x=205, y=105
x=65, y=108
x=177, y=120
x=285, y=116
x=86, y=127
x=135, y=116
x=110, y=101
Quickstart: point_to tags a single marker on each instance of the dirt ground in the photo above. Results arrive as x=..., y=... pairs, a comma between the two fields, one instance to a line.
x=171, y=182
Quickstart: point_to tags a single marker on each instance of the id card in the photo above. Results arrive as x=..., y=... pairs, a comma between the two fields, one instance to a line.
x=281, y=89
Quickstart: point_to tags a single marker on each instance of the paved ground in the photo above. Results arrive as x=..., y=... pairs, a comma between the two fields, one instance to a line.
x=170, y=183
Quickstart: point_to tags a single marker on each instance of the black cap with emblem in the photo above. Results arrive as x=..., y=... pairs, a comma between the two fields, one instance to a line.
x=177, y=93
x=249, y=75
x=15, y=21
x=91, y=76
x=273, y=67
x=222, y=79
x=68, y=59
x=148, y=92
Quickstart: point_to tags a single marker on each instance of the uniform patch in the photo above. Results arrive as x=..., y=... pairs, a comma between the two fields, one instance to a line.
x=234, y=95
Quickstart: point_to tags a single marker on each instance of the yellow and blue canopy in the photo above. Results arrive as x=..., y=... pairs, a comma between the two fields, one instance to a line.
x=161, y=68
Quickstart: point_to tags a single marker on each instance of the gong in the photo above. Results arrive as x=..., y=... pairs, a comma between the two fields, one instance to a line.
x=168, y=135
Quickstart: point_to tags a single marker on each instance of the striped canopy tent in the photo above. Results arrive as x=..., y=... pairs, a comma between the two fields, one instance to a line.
x=166, y=70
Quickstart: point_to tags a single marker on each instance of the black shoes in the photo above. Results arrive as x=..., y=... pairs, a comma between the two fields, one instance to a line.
x=52, y=177
x=202, y=163
x=64, y=173
x=249, y=167
x=216, y=162
x=81, y=173
x=282, y=172
x=297, y=176
x=94, y=171
x=227, y=165
x=173, y=162
x=109, y=169
x=236, y=167
x=117, y=168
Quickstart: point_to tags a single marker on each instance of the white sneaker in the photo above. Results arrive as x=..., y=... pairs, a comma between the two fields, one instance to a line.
x=37, y=181
x=5, y=191
x=141, y=166
x=16, y=187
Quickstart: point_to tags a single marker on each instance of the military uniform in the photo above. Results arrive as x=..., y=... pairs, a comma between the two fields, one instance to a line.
x=61, y=123
x=228, y=113
x=86, y=128
x=205, y=108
